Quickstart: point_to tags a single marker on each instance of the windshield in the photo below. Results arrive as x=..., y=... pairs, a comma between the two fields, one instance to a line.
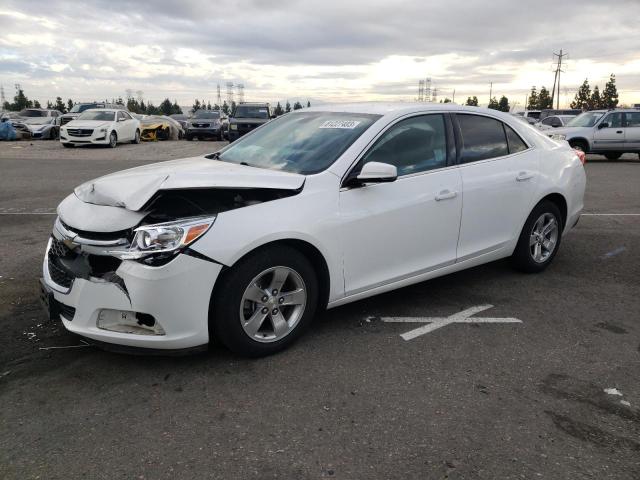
x=586, y=119
x=95, y=115
x=79, y=108
x=303, y=143
x=32, y=113
x=206, y=114
x=38, y=120
x=245, y=111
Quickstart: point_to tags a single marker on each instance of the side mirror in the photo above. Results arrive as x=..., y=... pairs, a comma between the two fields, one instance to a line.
x=603, y=125
x=377, y=172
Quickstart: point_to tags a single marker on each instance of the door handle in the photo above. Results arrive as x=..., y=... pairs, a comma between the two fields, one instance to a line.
x=446, y=195
x=523, y=176
x=619, y=131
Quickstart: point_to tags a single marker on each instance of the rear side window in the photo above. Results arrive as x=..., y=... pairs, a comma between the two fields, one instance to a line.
x=516, y=144
x=633, y=119
x=482, y=138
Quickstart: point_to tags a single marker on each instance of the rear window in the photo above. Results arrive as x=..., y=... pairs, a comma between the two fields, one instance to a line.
x=482, y=138
x=516, y=144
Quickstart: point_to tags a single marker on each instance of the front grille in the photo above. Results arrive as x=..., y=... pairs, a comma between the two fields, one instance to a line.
x=201, y=125
x=80, y=132
x=65, y=120
x=58, y=273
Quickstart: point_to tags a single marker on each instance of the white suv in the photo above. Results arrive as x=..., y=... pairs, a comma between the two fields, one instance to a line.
x=608, y=132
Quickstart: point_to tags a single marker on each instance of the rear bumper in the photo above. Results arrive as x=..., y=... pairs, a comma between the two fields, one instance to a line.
x=176, y=295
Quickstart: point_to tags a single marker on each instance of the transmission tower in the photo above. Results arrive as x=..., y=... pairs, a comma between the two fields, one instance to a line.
x=229, y=93
x=2, y=97
x=434, y=95
x=218, y=97
x=240, y=88
x=556, y=78
x=420, y=91
x=427, y=89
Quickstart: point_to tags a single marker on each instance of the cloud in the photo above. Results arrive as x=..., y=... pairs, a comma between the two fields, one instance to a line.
x=330, y=50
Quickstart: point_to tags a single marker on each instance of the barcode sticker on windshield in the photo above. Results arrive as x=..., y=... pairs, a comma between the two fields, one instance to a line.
x=350, y=124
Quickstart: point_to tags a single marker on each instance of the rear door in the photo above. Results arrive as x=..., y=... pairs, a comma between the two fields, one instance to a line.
x=609, y=133
x=632, y=131
x=499, y=177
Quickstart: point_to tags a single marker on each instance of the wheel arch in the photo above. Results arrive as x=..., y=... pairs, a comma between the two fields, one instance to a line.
x=581, y=140
x=560, y=202
x=310, y=251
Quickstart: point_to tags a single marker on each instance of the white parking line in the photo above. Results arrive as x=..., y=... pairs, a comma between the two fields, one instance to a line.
x=439, y=322
x=610, y=214
x=27, y=213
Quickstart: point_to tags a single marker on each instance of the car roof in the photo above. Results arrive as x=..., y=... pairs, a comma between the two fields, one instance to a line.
x=385, y=108
x=112, y=110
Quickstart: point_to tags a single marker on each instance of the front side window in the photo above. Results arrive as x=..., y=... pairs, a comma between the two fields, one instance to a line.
x=633, y=119
x=548, y=121
x=413, y=145
x=304, y=142
x=586, y=119
x=482, y=138
x=614, y=120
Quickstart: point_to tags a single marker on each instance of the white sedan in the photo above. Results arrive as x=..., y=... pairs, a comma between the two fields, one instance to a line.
x=318, y=208
x=102, y=126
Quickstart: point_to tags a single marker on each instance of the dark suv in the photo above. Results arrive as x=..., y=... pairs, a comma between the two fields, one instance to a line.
x=204, y=124
x=246, y=117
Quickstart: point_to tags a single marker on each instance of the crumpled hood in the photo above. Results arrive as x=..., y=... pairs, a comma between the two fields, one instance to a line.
x=133, y=188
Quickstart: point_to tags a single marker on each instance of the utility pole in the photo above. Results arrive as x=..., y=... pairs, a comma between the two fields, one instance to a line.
x=453, y=100
x=421, y=90
x=490, y=91
x=219, y=97
x=556, y=81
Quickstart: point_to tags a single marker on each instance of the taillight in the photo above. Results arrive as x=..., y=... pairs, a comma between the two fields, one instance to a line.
x=581, y=155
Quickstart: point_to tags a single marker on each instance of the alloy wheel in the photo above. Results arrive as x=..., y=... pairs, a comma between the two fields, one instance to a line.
x=273, y=304
x=543, y=238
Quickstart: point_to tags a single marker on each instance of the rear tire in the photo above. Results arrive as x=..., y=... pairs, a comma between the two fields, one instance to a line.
x=540, y=238
x=113, y=140
x=613, y=155
x=188, y=137
x=232, y=312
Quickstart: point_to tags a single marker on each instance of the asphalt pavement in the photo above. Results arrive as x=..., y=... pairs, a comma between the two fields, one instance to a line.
x=553, y=395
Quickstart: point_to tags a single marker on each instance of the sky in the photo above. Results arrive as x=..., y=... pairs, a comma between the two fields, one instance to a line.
x=324, y=51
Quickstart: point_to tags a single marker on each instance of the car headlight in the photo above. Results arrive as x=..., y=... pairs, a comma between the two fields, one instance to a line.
x=233, y=126
x=558, y=136
x=102, y=130
x=165, y=237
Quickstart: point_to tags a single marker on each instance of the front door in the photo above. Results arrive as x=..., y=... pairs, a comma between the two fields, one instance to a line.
x=397, y=230
x=609, y=133
x=632, y=131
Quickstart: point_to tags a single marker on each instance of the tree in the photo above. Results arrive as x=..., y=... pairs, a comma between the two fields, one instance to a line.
x=297, y=106
x=59, y=105
x=69, y=104
x=152, y=109
x=308, y=104
x=595, y=101
x=20, y=101
x=583, y=97
x=493, y=104
x=208, y=105
x=36, y=104
x=447, y=100
x=544, y=99
x=233, y=106
x=610, y=93
x=278, y=110
x=472, y=101
x=166, y=108
x=142, y=107
x=196, y=106
x=287, y=107
x=133, y=105
x=225, y=107
x=175, y=108
x=503, y=104
x=532, y=102
x=216, y=107
x=49, y=105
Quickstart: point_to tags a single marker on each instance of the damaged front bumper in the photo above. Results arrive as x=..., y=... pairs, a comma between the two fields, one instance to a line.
x=128, y=303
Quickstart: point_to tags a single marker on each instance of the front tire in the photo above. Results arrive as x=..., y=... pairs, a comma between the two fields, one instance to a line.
x=68, y=145
x=264, y=302
x=113, y=140
x=540, y=238
x=136, y=138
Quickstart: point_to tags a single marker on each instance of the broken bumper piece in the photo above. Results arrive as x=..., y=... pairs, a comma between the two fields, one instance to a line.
x=158, y=308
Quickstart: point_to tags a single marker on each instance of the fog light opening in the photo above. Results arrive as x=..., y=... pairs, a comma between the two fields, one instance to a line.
x=123, y=321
